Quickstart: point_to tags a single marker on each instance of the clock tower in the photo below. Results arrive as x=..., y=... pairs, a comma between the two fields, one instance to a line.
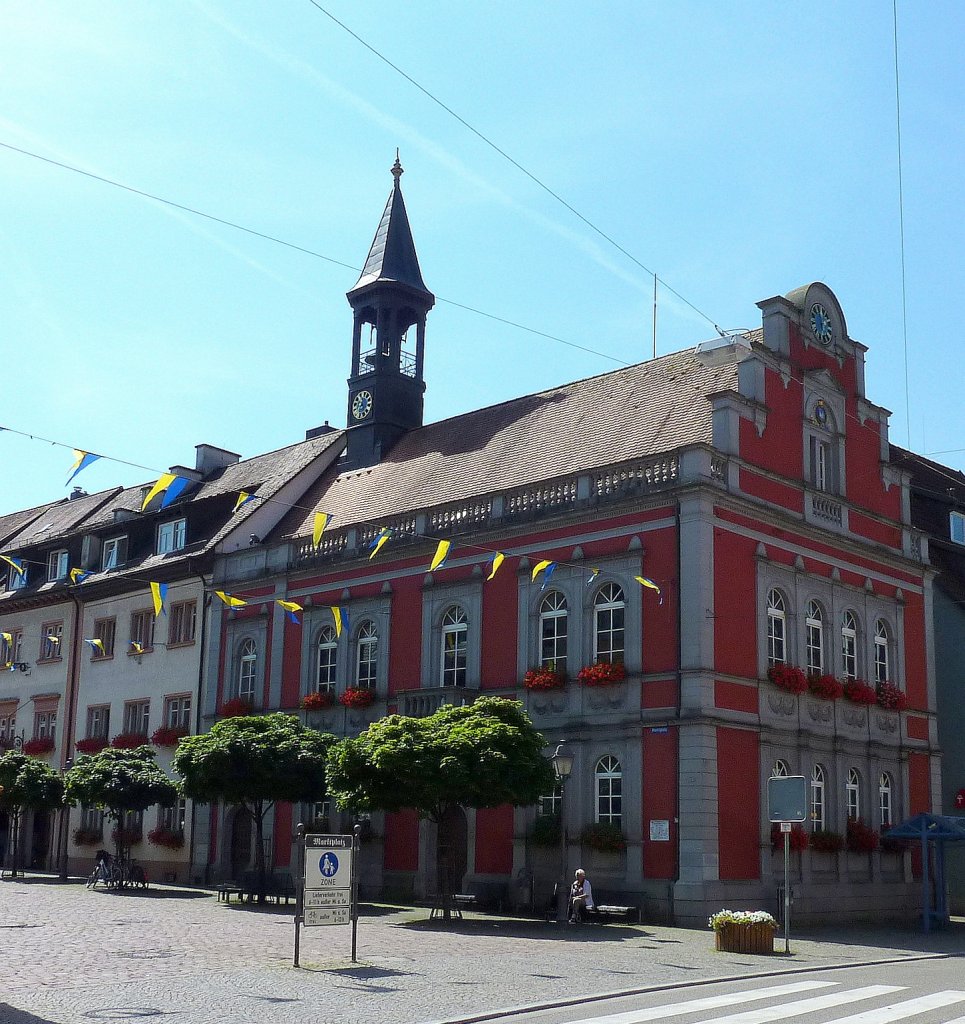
x=390, y=302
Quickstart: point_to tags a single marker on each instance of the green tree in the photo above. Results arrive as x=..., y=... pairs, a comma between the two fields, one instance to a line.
x=484, y=754
x=252, y=761
x=119, y=781
x=26, y=783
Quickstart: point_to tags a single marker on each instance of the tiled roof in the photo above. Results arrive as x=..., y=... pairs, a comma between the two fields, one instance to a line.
x=640, y=411
x=13, y=522
x=62, y=518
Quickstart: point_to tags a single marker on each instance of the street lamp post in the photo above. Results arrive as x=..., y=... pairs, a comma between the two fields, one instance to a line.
x=562, y=761
x=63, y=829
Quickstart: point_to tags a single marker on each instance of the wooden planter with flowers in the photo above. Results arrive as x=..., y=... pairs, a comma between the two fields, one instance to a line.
x=544, y=679
x=319, y=700
x=357, y=697
x=603, y=673
x=744, y=931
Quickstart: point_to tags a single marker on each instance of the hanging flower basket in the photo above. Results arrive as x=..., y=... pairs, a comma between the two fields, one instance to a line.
x=787, y=677
x=236, y=706
x=127, y=836
x=318, y=701
x=891, y=697
x=88, y=836
x=91, y=744
x=861, y=838
x=743, y=931
x=603, y=673
x=859, y=692
x=357, y=697
x=37, y=747
x=543, y=679
x=604, y=837
x=166, y=837
x=168, y=736
x=799, y=838
x=825, y=841
x=129, y=740
x=826, y=687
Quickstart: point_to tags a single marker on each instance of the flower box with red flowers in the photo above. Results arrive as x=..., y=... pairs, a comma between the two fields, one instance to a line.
x=826, y=687
x=43, y=745
x=91, y=744
x=603, y=673
x=787, y=677
x=823, y=840
x=129, y=740
x=860, y=838
x=543, y=679
x=798, y=840
x=126, y=836
x=891, y=697
x=357, y=697
x=318, y=701
x=236, y=706
x=603, y=836
x=172, y=840
x=859, y=692
x=168, y=735
x=88, y=836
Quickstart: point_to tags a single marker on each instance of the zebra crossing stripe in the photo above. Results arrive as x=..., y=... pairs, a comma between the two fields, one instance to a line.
x=709, y=1003
x=802, y=1006
x=898, y=1011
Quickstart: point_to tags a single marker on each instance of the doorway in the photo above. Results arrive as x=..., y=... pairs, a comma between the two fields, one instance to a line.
x=241, y=827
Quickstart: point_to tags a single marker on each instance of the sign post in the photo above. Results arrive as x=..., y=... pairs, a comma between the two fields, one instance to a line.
x=786, y=803
x=327, y=893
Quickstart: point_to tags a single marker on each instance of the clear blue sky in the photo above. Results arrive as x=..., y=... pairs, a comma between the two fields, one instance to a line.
x=739, y=149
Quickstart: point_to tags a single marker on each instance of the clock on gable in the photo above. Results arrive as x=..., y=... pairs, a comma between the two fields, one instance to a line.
x=362, y=405
x=821, y=324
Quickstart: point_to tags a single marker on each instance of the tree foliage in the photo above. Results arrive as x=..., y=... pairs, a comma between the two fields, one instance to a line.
x=484, y=754
x=119, y=781
x=26, y=782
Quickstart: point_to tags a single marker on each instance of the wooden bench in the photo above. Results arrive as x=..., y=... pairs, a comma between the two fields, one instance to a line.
x=457, y=903
x=607, y=912
x=225, y=890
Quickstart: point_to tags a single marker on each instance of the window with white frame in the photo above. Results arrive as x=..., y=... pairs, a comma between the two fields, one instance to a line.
x=814, y=638
x=852, y=791
x=12, y=648
x=8, y=729
x=849, y=645
x=551, y=804
x=822, y=474
x=319, y=815
x=133, y=822
x=780, y=770
x=776, y=628
x=882, y=652
x=99, y=721
x=553, y=621
x=609, y=791
x=609, y=613
x=171, y=536
x=45, y=725
x=17, y=580
x=51, y=639
x=172, y=818
x=818, y=783
x=884, y=800
x=57, y=565
x=326, y=660
x=114, y=553
x=142, y=631
x=956, y=527
x=104, y=630
x=366, y=656
x=177, y=712
x=453, y=655
x=92, y=819
x=137, y=714
x=183, y=620
x=247, y=667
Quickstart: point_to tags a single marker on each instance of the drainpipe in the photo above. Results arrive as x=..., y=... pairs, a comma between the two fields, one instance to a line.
x=205, y=603
x=676, y=877
x=70, y=720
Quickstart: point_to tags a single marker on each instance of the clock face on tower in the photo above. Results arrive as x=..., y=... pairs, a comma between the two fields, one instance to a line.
x=362, y=405
x=821, y=324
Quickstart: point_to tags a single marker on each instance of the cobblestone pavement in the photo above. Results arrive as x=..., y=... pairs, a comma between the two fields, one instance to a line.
x=70, y=955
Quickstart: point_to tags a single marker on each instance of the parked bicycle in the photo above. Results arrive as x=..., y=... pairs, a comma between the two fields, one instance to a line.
x=116, y=874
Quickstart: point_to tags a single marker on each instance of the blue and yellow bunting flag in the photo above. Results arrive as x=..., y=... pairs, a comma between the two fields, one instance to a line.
x=16, y=563
x=78, y=575
x=244, y=498
x=96, y=644
x=540, y=566
x=340, y=615
x=136, y=647
x=376, y=546
x=321, y=521
x=229, y=600
x=593, y=575
x=648, y=583
x=8, y=637
x=174, y=490
x=291, y=607
x=163, y=482
x=442, y=553
x=81, y=461
x=547, y=575
x=159, y=591
x=495, y=562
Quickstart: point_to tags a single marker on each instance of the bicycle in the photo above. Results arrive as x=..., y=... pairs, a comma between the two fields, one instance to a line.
x=102, y=872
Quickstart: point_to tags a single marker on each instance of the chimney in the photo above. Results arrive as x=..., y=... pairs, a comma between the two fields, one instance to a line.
x=325, y=428
x=77, y=492
x=210, y=458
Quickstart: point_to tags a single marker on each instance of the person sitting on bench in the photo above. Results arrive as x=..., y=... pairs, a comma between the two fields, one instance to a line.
x=581, y=897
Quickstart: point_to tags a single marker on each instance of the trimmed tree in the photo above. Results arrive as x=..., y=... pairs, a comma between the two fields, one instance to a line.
x=252, y=761
x=26, y=784
x=485, y=754
x=118, y=781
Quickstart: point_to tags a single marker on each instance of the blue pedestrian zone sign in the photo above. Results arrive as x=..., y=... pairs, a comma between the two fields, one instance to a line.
x=328, y=865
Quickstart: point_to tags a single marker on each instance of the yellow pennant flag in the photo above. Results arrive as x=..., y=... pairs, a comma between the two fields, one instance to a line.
x=539, y=567
x=164, y=481
x=136, y=647
x=96, y=643
x=243, y=498
x=378, y=543
x=15, y=563
x=442, y=553
x=159, y=591
x=290, y=606
x=644, y=582
x=321, y=521
x=497, y=561
x=231, y=602
x=337, y=616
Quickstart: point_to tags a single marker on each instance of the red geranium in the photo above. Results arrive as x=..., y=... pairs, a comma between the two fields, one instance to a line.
x=357, y=697
x=859, y=692
x=826, y=687
x=860, y=837
x=91, y=744
x=318, y=701
x=788, y=678
x=39, y=746
x=168, y=735
x=826, y=841
x=799, y=838
x=543, y=679
x=891, y=697
x=166, y=837
x=603, y=673
x=236, y=706
x=129, y=740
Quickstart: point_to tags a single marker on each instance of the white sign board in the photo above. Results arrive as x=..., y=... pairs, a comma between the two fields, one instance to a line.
x=659, y=830
x=327, y=915
x=328, y=880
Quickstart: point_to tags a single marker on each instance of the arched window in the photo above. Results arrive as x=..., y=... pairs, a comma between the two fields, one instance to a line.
x=849, y=645
x=552, y=632
x=882, y=652
x=366, y=656
x=608, y=619
x=609, y=791
x=326, y=660
x=818, y=780
x=884, y=800
x=455, y=634
x=776, y=628
x=780, y=770
x=814, y=638
x=247, y=666
x=852, y=789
